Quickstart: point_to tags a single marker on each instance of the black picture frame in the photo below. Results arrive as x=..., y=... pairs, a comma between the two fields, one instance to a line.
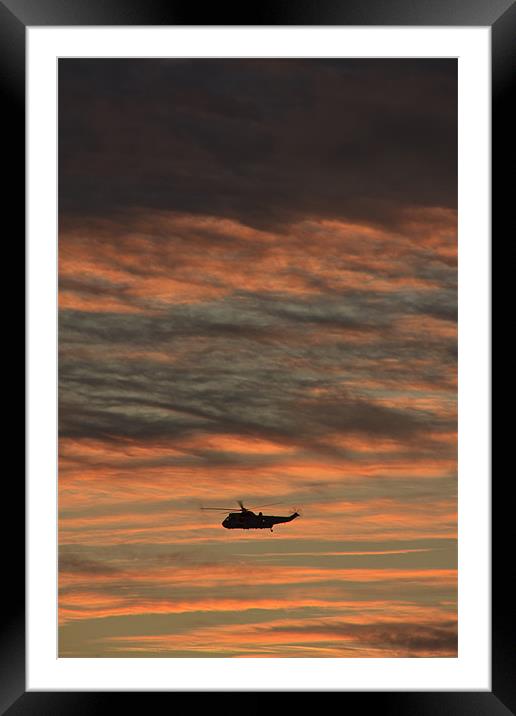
x=15, y=17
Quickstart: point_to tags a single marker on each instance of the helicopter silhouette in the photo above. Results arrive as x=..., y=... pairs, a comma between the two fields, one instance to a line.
x=249, y=520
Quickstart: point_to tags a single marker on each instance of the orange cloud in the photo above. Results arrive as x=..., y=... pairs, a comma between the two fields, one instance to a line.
x=185, y=268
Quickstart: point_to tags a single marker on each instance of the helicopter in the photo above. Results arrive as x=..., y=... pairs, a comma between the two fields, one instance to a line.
x=248, y=520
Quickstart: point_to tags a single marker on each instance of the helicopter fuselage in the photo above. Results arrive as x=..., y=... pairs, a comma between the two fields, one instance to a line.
x=248, y=520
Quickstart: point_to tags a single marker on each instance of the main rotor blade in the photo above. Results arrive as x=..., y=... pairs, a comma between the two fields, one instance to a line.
x=269, y=504
x=241, y=504
x=218, y=509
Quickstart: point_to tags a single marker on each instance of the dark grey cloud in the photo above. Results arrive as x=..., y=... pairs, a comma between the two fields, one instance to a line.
x=261, y=141
x=253, y=364
x=69, y=562
x=258, y=315
x=412, y=638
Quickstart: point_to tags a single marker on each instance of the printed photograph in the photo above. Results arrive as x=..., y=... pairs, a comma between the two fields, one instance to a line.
x=257, y=367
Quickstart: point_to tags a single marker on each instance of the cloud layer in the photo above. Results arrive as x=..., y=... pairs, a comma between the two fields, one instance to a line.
x=264, y=142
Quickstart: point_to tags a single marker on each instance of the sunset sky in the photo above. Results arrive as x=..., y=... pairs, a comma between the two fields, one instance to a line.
x=258, y=302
